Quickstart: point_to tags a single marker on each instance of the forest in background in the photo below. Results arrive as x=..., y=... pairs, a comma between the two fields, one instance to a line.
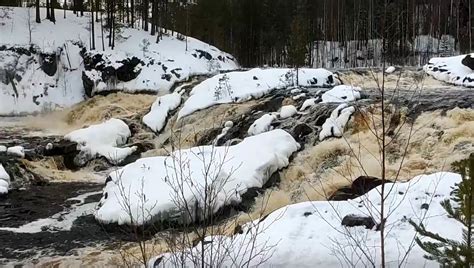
x=318, y=33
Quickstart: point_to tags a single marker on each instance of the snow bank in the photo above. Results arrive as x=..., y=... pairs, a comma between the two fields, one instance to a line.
x=235, y=168
x=254, y=83
x=341, y=93
x=458, y=70
x=103, y=140
x=310, y=234
x=4, y=180
x=156, y=118
x=17, y=151
x=335, y=124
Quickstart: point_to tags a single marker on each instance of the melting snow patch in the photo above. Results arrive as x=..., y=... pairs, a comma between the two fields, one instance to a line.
x=458, y=70
x=103, y=140
x=156, y=118
x=341, y=93
x=234, y=169
x=335, y=124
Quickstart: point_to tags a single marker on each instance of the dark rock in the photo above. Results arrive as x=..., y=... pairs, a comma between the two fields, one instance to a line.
x=88, y=84
x=468, y=61
x=49, y=63
x=307, y=214
x=301, y=131
x=204, y=54
x=359, y=187
x=358, y=220
x=425, y=206
x=128, y=71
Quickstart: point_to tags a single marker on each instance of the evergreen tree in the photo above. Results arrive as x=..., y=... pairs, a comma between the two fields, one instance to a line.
x=448, y=252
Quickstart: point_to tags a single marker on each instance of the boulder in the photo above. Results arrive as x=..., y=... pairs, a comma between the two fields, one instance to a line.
x=468, y=61
x=49, y=63
x=353, y=220
x=359, y=187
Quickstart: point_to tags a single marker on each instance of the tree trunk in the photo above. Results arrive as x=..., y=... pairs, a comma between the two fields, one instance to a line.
x=53, y=17
x=37, y=6
x=48, y=15
x=92, y=25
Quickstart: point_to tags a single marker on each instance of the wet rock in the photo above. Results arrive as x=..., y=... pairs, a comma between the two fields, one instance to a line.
x=353, y=220
x=88, y=84
x=49, y=63
x=203, y=54
x=359, y=187
x=129, y=69
x=62, y=147
x=301, y=131
x=425, y=206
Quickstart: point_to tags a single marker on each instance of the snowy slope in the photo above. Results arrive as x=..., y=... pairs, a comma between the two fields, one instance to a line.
x=310, y=234
x=57, y=69
x=458, y=70
x=234, y=170
x=254, y=83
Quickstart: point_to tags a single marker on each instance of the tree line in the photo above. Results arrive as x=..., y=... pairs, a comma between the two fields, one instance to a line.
x=283, y=32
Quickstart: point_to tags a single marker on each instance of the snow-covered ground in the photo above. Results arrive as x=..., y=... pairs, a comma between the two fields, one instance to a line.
x=149, y=187
x=254, y=83
x=26, y=88
x=310, y=234
x=103, y=139
x=458, y=70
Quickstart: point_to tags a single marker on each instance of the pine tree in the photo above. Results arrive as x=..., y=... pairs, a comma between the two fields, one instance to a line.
x=448, y=252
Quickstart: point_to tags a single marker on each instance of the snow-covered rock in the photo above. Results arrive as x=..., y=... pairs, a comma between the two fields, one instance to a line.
x=310, y=234
x=287, y=111
x=4, y=180
x=308, y=103
x=254, y=83
x=103, y=139
x=335, y=124
x=156, y=118
x=390, y=70
x=235, y=169
x=458, y=70
x=3, y=149
x=227, y=126
x=342, y=93
x=56, y=68
x=17, y=151
x=263, y=124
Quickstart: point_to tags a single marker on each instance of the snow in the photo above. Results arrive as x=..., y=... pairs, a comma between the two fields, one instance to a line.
x=335, y=124
x=61, y=221
x=263, y=124
x=287, y=111
x=3, y=149
x=17, y=151
x=308, y=103
x=236, y=168
x=310, y=234
x=241, y=86
x=390, y=70
x=156, y=118
x=227, y=126
x=164, y=63
x=451, y=70
x=342, y=93
x=4, y=180
x=104, y=140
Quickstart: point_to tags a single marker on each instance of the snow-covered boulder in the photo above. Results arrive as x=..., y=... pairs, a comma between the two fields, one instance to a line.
x=16, y=151
x=254, y=83
x=458, y=70
x=156, y=118
x=287, y=111
x=342, y=93
x=4, y=180
x=3, y=149
x=335, y=124
x=263, y=124
x=390, y=70
x=103, y=139
x=310, y=234
x=233, y=171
